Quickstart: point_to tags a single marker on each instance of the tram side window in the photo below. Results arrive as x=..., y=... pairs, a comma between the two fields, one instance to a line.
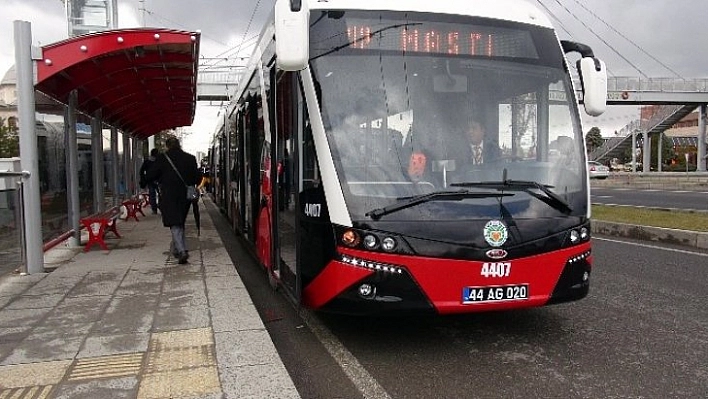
x=234, y=139
x=310, y=172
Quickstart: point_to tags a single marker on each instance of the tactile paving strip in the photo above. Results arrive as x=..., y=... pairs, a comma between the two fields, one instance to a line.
x=180, y=364
x=177, y=364
x=31, y=381
x=111, y=366
x=35, y=392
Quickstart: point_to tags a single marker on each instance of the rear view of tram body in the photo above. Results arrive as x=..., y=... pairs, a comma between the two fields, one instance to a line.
x=338, y=159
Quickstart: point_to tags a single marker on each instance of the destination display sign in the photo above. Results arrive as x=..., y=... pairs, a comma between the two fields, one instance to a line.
x=441, y=38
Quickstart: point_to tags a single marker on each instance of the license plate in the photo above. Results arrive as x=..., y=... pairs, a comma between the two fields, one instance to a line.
x=495, y=293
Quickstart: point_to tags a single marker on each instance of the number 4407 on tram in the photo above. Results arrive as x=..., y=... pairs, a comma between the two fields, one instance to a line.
x=389, y=156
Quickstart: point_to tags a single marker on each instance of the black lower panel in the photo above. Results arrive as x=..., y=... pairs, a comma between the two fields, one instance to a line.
x=397, y=294
x=570, y=286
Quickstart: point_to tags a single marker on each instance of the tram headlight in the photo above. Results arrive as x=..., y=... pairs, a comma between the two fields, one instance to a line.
x=574, y=236
x=584, y=233
x=388, y=244
x=370, y=241
x=350, y=238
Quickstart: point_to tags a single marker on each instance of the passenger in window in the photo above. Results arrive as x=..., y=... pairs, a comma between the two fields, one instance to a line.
x=471, y=146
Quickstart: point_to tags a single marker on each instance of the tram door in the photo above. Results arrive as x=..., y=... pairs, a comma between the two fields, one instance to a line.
x=287, y=119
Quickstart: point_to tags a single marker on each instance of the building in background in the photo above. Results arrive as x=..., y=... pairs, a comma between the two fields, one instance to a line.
x=8, y=98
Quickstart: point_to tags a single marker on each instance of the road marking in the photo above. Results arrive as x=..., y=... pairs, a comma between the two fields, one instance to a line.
x=362, y=380
x=651, y=190
x=655, y=208
x=681, y=251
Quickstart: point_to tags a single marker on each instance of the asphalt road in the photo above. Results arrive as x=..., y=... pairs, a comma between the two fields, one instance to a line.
x=650, y=198
x=641, y=333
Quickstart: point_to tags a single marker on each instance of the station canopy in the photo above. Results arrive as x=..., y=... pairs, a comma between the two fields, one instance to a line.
x=142, y=80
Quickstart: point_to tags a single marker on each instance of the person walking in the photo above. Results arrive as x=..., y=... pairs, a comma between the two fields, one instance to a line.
x=152, y=186
x=175, y=169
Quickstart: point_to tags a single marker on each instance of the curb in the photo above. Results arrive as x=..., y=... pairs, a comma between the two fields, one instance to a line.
x=692, y=239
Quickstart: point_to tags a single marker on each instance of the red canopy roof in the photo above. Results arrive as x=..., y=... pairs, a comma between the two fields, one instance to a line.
x=142, y=80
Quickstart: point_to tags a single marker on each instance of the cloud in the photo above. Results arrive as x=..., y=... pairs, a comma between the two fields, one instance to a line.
x=48, y=25
x=671, y=32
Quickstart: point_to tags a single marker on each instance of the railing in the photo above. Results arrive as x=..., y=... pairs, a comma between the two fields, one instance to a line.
x=624, y=83
x=218, y=76
x=663, y=113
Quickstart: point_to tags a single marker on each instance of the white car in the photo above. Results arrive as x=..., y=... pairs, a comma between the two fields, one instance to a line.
x=596, y=170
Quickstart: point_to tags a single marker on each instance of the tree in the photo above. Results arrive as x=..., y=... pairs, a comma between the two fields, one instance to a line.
x=593, y=139
x=9, y=140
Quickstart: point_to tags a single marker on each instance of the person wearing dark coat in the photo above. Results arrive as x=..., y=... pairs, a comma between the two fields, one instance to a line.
x=152, y=186
x=174, y=204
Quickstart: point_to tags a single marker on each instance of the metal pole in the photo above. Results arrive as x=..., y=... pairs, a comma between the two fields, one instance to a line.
x=135, y=166
x=72, y=170
x=634, y=151
x=114, y=165
x=702, y=122
x=20, y=209
x=646, y=153
x=28, y=145
x=126, y=164
x=659, y=151
x=97, y=162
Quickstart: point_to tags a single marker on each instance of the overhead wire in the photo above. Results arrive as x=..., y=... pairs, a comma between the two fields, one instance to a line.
x=627, y=39
x=248, y=27
x=594, y=33
x=558, y=21
x=220, y=58
x=243, y=40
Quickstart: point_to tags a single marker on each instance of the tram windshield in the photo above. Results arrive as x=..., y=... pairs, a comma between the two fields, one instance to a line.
x=415, y=104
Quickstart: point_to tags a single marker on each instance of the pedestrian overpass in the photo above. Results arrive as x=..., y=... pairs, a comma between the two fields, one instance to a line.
x=676, y=98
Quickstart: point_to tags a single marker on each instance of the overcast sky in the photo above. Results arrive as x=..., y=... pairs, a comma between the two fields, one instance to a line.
x=656, y=38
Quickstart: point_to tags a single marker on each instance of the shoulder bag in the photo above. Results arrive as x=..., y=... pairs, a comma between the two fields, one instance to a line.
x=192, y=194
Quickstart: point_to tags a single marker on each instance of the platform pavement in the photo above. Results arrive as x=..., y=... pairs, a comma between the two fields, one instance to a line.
x=132, y=323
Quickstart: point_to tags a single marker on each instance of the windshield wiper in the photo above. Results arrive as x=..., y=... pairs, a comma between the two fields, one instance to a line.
x=407, y=202
x=551, y=198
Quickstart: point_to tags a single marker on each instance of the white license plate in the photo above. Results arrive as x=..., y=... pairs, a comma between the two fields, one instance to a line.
x=495, y=293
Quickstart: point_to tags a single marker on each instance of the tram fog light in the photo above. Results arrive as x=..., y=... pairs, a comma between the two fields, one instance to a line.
x=586, y=276
x=574, y=236
x=584, y=233
x=370, y=241
x=388, y=244
x=367, y=290
x=350, y=238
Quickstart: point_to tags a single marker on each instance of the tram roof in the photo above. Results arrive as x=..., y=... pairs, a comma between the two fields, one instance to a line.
x=142, y=80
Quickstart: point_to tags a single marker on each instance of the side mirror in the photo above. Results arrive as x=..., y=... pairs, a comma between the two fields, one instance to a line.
x=292, y=34
x=593, y=77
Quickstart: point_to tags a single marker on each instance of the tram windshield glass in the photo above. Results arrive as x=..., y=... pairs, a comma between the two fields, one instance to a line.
x=415, y=104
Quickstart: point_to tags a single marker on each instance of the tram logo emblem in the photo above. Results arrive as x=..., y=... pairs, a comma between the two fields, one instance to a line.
x=495, y=233
x=496, y=253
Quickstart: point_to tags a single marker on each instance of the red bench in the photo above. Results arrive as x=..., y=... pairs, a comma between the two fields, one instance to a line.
x=98, y=225
x=132, y=206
